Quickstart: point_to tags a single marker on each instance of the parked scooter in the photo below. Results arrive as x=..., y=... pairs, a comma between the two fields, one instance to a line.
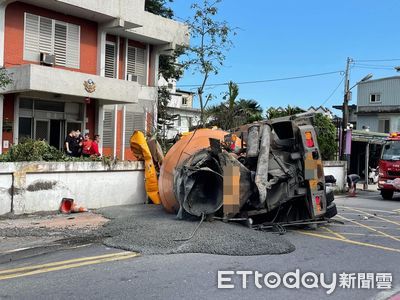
x=373, y=175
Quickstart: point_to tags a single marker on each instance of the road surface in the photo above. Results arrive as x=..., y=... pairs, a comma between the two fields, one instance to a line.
x=365, y=240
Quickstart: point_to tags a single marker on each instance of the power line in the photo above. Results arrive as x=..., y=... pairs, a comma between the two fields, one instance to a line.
x=368, y=60
x=373, y=68
x=266, y=80
x=333, y=92
x=373, y=65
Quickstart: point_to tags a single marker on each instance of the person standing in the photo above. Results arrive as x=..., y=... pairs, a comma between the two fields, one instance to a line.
x=70, y=143
x=79, y=143
x=94, y=150
x=86, y=145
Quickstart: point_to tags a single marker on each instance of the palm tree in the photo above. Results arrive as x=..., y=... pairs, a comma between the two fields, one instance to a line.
x=231, y=113
x=273, y=112
x=250, y=109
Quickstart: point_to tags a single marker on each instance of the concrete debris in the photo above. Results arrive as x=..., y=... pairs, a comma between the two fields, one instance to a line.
x=52, y=225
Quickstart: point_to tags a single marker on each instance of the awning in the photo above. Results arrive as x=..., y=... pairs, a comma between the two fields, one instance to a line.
x=369, y=137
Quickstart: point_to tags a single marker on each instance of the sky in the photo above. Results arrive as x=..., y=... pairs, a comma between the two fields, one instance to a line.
x=289, y=38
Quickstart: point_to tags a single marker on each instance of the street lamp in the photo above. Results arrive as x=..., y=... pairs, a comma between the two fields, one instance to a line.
x=346, y=100
x=367, y=77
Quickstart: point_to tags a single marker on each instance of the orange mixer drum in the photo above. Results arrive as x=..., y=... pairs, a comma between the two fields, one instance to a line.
x=183, y=149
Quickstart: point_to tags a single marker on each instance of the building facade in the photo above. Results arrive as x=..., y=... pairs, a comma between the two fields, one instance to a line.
x=89, y=65
x=181, y=106
x=378, y=105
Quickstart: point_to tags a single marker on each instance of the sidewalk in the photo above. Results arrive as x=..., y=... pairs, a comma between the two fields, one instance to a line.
x=371, y=187
x=34, y=234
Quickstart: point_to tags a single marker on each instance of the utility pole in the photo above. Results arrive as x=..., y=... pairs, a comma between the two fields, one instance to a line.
x=345, y=119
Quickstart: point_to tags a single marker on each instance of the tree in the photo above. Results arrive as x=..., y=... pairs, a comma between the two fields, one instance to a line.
x=210, y=41
x=326, y=136
x=158, y=7
x=169, y=69
x=168, y=66
x=325, y=129
x=165, y=120
x=231, y=113
x=251, y=109
x=273, y=112
x=5, y=79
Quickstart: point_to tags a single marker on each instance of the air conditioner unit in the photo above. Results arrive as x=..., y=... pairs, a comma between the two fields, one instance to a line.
x=47, y=59
x=132, y=77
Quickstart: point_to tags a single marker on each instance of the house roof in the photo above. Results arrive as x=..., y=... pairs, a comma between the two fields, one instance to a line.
x=379, y=79
x=184, y=92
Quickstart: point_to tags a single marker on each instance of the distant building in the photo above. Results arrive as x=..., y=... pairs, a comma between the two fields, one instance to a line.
x=352, y=114
x=378, y=105
x=320, y=110
x=181, y=105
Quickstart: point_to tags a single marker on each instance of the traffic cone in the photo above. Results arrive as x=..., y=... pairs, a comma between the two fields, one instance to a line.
x=66, y=205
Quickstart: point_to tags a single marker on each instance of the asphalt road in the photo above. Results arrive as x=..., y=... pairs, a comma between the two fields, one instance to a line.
x=365, y=239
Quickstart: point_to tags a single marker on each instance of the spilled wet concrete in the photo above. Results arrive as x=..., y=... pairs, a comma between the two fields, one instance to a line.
x=149, y=230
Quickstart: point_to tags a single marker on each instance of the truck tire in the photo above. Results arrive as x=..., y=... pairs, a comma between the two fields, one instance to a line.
x=387, y=194
x=331, y=211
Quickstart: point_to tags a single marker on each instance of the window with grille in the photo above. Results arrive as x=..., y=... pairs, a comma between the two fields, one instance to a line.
x=133, y=121
x=110, y=60
x=44, y=35
x=42, y=130
x=108, y=128
x=136, y=64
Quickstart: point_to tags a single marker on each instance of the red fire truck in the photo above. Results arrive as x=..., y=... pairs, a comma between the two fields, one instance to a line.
x=389, y=167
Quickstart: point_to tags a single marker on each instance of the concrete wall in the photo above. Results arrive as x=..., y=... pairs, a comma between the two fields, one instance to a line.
x=369, y=121
x=39, y=186
x=372, y=121
x=58, y=81
x=5, y=193
x=339, y=170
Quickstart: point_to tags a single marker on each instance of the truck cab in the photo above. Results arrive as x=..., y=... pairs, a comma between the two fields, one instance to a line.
x=389, y=167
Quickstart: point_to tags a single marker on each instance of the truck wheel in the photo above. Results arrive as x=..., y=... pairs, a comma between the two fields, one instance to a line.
x=387, y=194
x=331, y=211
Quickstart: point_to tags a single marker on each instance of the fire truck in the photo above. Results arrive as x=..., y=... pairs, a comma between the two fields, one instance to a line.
x=389, y=167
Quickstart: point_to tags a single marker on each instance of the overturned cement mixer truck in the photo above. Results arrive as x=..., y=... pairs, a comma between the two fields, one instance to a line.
x=265, y=173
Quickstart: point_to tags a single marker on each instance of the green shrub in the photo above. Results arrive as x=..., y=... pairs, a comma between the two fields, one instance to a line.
x=32, y=150
x=38, y=150
x=326, y=135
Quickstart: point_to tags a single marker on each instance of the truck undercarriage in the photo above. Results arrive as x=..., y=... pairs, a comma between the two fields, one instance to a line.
x=264, y=173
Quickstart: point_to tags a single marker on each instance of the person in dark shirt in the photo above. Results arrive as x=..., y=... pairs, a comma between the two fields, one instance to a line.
x=79, y=143
x=70, y=143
